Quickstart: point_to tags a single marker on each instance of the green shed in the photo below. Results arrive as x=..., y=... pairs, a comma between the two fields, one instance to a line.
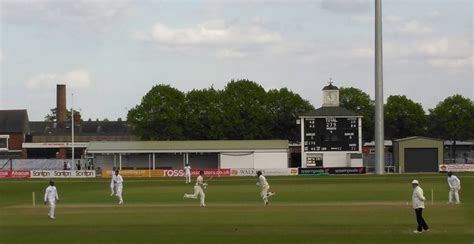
x=418, y=154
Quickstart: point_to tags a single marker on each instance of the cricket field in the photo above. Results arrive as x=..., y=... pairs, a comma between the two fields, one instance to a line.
x=307, y=209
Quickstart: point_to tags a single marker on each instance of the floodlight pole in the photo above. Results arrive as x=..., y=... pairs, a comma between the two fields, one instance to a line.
x=379, y=117
x=72, y=126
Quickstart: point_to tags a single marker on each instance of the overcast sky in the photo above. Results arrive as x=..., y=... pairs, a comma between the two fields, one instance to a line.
x=110, y=53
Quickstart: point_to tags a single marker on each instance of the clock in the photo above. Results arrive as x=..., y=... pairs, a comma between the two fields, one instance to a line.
x=331, y=98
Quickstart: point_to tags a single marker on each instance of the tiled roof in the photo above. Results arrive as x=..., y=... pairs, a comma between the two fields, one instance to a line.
x=14, y=121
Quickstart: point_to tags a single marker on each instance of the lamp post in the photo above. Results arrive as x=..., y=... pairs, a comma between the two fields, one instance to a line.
x=72, y=126
x=379, y=117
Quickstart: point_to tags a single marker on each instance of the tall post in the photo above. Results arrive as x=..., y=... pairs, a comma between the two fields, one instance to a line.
x=303, y=153
x=149, y=165
x=120, y=161
x=379, y=118
x=72, y=126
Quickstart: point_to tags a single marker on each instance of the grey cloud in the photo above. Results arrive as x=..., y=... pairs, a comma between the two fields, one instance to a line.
x=64, y=12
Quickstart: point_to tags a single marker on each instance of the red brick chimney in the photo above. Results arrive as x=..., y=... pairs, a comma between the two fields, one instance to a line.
x=77, y=118
x=61, y=111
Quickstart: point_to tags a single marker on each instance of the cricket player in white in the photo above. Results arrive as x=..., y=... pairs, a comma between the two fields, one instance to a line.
x=262, y=182
x=198, y=190
x=118, y=186
x=51, y=196
x=112, y=183
x=454, y=186
x=187, y=173
x=418, y=201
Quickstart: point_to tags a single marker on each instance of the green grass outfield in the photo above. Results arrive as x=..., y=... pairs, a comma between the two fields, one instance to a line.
x=307, y=209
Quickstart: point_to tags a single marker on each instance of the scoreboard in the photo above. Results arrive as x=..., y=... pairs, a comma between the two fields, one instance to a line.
x=331, y=134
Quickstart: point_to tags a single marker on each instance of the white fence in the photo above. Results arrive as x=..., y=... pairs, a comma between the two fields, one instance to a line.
x=32, y=164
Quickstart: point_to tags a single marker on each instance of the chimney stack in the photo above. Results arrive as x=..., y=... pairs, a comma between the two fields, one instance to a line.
x=61, y=111
x=77, y=118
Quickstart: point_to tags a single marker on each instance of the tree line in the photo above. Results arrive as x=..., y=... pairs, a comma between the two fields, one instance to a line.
x=245, y=110
x=242, y=110
x=452, y=119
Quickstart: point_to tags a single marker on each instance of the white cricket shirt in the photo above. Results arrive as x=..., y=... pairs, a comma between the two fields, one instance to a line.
x=51, y=194
x=187, y=169
x=199, y=181
x=454, y=182
x=263, y=181
x=118, y=180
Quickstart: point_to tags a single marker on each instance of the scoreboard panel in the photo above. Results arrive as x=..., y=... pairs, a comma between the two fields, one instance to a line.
x=331, y=134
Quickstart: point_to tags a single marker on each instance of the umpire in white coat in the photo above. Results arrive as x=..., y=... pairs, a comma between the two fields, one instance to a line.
x=51, y=196
x=418, y=201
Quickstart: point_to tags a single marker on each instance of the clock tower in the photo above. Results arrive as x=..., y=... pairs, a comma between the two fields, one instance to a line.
x=330, y=95
x=331, y=137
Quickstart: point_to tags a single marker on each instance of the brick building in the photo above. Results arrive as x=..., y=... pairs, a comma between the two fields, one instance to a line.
x=21, y=138
x=14, y=126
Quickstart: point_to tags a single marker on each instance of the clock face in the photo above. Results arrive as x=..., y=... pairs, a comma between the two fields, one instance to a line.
x=331, y=97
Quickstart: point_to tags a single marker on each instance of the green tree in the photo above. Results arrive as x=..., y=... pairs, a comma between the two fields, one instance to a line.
x=404, y=118
x=453, y=119
x=284, y=107
x=159, y=116
x=52, y=116
x=359, y=102
x=204, y=115
x=242, y=110
x=245, y=116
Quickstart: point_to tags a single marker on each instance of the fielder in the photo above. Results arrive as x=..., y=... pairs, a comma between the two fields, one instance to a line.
x=112, y=183
x=418, y=201
x=51, y=196
x=187, y=173
x=198, y=190
x=454, y=186
x=118, y=186
x=262, y=182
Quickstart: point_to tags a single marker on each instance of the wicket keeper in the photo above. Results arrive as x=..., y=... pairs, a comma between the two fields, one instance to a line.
x=454, y=187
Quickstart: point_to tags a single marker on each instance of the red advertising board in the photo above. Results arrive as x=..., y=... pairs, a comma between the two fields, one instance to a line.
x=456, y=167
x=195, y=172
x=15, y=174
x=211, y=172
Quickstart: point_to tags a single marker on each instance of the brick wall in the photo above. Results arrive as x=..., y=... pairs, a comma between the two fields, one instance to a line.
x=15, y=142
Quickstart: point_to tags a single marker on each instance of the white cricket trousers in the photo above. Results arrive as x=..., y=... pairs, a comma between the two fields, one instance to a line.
x=198, y=192
x=112, y=188
x=52, y=207
x=454, y=193
x=118, y=192
x=188, y=177
x=264, y=193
